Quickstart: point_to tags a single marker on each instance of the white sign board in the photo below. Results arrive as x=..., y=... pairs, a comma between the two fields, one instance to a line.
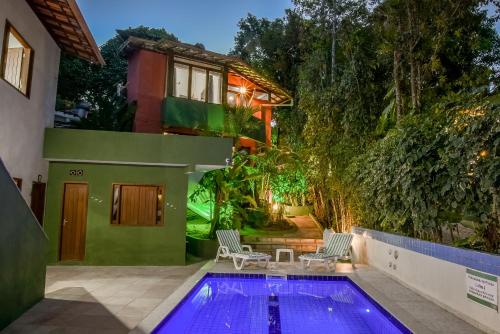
x=482, y=288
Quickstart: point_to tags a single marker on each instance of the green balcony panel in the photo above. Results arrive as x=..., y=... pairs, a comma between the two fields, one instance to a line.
x=183, y=113
x=189, y=114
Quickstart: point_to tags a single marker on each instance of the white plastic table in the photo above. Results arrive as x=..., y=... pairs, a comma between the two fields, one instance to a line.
x=284, y=250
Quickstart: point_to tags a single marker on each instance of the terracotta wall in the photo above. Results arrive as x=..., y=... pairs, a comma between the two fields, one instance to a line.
x=146, y=85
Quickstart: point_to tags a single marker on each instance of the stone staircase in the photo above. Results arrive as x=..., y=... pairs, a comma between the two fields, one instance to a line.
x=269, y=245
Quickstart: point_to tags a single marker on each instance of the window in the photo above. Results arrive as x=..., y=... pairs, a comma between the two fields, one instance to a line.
x=214, y=87
x=198, y=84
x=137, y=205
x=181, y=79
x=261, y=96
x=17, y=58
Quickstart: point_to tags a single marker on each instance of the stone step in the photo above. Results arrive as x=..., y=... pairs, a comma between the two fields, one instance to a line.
x=270, y=245
x=281, y=241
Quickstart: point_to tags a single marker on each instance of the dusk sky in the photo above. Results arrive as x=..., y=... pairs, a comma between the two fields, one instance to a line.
x=211, y=22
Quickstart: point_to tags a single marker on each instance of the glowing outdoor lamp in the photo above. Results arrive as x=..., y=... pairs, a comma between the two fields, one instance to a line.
x=243, y=90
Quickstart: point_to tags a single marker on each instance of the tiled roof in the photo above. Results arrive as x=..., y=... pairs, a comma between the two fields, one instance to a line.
x=233, y=64
x=65, y=23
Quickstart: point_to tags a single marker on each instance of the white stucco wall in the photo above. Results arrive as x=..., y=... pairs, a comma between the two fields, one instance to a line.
x=22, y=119
x=440, y=281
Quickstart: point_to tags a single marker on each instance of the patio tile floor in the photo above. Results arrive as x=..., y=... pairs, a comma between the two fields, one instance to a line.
x=99, y=299
x=116, y=299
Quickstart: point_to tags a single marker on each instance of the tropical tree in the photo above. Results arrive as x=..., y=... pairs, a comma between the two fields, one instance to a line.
x=229, y=192
x=239, y=120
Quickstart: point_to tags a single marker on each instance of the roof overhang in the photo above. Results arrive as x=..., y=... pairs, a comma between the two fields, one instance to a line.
x=233, y=64
x=65, y=23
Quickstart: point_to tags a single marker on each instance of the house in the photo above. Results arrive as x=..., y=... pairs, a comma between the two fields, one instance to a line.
x=32, y=33
x=120, y=198
x=182, y=89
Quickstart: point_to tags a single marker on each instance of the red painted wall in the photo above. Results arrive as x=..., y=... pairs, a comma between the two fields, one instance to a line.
x=146, y=85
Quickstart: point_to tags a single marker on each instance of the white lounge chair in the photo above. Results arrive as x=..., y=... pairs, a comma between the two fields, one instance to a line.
x=230, y=246
x=327, y=233
x=337, y=246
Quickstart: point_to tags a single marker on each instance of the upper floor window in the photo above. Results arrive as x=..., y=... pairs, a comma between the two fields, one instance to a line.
x=214, y=87
x=181, y=79
x=17, y=58
x=197, y=83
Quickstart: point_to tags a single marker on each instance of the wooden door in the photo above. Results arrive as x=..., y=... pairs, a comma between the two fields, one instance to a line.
x=74, y=221
x=38, y=200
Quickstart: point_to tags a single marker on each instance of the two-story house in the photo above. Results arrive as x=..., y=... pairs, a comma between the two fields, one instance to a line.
x=121, y=198
x=182, y=89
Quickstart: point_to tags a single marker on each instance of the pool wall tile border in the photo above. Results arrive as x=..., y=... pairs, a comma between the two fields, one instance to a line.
x=396, y=322
x=485, y=262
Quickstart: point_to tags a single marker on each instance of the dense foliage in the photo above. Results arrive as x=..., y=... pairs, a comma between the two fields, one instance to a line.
x=395, y=115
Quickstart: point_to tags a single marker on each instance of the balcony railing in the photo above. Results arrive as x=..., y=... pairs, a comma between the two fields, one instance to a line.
x=206, y=117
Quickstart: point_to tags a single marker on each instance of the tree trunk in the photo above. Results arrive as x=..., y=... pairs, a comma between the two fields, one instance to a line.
x=334, y=42
x=335, y=215
x=397, y=84
x=412, y=43
x=215, y=220
x=413, y=82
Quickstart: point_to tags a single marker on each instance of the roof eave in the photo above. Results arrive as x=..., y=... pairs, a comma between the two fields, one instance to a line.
x=232, y=63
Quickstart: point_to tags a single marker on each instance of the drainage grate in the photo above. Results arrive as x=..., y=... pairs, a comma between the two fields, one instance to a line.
x=276, y=276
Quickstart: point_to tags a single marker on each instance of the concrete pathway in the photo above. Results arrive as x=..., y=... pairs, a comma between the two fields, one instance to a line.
x=306, y=228
x=99, y=299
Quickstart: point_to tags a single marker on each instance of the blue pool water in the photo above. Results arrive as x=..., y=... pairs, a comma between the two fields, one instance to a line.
x=252, y=304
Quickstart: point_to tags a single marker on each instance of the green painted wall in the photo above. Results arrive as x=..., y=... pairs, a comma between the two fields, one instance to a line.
x=108, y=244
x=72, y=144
x=23, y=250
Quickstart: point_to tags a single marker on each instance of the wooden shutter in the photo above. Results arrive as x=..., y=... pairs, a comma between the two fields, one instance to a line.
x=138, y=205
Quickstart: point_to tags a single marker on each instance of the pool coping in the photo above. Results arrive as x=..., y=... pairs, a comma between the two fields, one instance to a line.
x=170, y=303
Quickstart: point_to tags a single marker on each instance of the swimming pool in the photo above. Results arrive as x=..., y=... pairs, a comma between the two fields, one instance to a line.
x=296, y=304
